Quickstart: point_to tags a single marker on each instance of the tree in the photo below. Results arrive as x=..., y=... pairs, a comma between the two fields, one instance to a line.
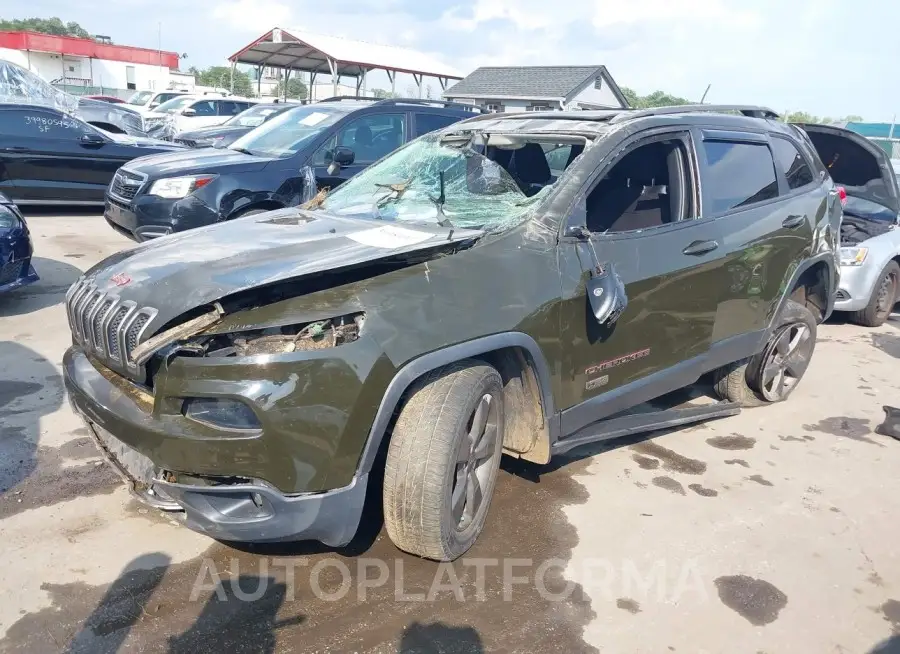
x=655, y=99
x=53, y=26
x=381, y=94
x=220, y=77
x=296, y=89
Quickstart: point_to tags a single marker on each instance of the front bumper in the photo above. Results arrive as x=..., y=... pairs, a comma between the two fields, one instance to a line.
x=856, y=286
x=17, y=273
x=249, y=509
x=148, y=216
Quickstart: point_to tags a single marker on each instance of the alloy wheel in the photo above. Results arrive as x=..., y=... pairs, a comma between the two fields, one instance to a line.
x=474, y=462
x=786, y=359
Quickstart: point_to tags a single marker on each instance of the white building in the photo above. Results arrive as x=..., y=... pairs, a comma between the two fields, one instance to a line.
x=539, y=88
x=102, y=67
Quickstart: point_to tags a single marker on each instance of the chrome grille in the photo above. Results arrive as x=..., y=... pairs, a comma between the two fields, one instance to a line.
x=106, y=326
x=125, y=185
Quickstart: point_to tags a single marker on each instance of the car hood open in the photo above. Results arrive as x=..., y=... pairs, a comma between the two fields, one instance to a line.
x=183, y=271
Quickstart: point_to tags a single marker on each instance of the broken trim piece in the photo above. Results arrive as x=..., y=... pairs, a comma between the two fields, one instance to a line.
x=145, y=350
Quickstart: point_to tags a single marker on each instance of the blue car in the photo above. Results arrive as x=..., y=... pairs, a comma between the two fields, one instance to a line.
x=15, y=248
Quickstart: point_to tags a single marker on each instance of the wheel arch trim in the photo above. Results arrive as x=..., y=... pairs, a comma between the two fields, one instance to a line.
x=439, y=358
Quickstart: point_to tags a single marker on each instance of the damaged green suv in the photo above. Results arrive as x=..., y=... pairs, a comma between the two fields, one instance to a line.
x=510, y=284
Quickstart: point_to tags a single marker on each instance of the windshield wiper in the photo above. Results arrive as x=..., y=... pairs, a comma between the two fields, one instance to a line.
x=439, y=203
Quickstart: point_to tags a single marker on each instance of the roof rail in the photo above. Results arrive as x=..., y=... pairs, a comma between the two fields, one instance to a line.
x=417, y=101
x=750, y=111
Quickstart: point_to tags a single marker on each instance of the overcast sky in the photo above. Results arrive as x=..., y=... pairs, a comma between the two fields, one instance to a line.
x=823, y=56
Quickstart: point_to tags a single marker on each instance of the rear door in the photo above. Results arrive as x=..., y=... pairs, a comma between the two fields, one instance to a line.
x=765, y=208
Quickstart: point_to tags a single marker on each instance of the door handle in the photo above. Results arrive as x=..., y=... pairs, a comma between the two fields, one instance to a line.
x=792, y=222
x=700, y=247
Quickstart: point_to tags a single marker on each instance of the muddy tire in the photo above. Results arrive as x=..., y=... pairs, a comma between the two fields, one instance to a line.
x=443, y=461
x=773, y=374
x=884, y=296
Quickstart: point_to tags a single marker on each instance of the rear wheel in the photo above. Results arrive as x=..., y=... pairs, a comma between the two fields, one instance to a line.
x=443, y=461
x=883, y=298
x=773, y=374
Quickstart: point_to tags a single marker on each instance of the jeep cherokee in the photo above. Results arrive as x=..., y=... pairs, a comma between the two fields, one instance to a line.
x=508, y=284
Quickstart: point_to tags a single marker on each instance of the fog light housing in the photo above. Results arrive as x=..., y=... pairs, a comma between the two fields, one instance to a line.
x=221, y=413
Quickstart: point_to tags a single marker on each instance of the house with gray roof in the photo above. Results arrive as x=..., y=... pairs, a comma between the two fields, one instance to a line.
x=538, y=88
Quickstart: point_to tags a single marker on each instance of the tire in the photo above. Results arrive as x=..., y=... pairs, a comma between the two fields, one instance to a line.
x=431, y=454
x=884, y=296
x=787, y=353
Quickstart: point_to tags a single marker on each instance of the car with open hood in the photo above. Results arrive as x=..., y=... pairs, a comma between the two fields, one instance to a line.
x=870, y=232
x=512, y=283
x=15, y=248
x=281, y=163
x=219, y=136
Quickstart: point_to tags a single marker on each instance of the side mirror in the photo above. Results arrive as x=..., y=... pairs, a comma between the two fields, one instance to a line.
x=606, y=295
x=341, y=156
x=92, y=140
x=189, y=112
x=153, y=105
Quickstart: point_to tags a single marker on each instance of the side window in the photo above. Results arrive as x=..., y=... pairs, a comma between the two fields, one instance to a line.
x=430, y=122
x=41, y=123
x=228, y=108
x=205, y=108
x=370, y=138
x=649, y=187
x=558, y=157
x=737, y=174
x=791, y=163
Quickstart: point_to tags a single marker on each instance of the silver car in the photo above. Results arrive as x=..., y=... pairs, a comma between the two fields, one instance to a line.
x=870, y=231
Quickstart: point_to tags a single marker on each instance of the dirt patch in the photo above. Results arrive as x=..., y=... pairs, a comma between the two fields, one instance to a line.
x=737, y=462
x=733, y=442
x=671, y=461
x=891, y=612
x=703, y=492
x=628, y=605
x=759, y=479
x=856, y=429
x=645, y=462
x=887, y=343
x=875, y=579
x=791, y=439
x=756, y=600
x=300, y=601
x=669, y=484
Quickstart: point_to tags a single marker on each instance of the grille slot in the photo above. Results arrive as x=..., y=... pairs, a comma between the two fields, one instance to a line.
x=104, y=326
x=125, y=185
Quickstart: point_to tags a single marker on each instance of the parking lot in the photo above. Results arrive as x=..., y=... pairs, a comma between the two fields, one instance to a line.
x=772, y=531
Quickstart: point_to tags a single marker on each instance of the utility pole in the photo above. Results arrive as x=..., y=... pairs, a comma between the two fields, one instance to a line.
x=704, y=93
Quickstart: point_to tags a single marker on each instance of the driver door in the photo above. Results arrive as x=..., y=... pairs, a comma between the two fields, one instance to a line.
x=645, y=242
x=370, y=138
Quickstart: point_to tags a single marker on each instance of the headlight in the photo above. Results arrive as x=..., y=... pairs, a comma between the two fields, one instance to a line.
x=8, y=219
x=179, y=187
x=222, y=413
x=853, y=256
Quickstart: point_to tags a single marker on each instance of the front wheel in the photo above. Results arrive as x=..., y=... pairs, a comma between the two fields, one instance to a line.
x=884, y=296
x=773, y=374
x=443, y=461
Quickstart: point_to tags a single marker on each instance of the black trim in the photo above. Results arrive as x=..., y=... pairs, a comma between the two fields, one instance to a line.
x=682, y=374
x=639, y=423
x=428, y=362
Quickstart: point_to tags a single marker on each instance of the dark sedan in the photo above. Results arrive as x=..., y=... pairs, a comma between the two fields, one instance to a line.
x=50, y=157
x=218, y=136
x=15, y=248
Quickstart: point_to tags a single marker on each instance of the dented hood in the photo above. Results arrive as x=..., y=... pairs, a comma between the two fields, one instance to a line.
x=177, y=273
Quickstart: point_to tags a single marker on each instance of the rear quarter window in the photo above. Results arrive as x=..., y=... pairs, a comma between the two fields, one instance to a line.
x=791, y=163
x=426, y=123
x=737, y=175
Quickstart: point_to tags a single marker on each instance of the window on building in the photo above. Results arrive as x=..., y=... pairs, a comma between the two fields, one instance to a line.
x=494, y=108
x=738, y=174
x=538, y=107
x=598, y=83
x=791, y=163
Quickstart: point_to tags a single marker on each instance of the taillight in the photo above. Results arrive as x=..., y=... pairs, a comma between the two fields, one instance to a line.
x=842, y=194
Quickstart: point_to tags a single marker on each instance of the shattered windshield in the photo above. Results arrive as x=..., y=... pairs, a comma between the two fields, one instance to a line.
x=428, y=181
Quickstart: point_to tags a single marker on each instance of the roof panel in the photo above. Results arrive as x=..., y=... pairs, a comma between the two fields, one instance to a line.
x=523, y=81
x=302, y=50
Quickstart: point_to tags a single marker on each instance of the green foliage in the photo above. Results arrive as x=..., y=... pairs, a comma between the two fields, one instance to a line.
x=220, y=77
x=53, y=26
x=655, y=99
x=296, y=89
x=804, y=117
x=381, y=94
